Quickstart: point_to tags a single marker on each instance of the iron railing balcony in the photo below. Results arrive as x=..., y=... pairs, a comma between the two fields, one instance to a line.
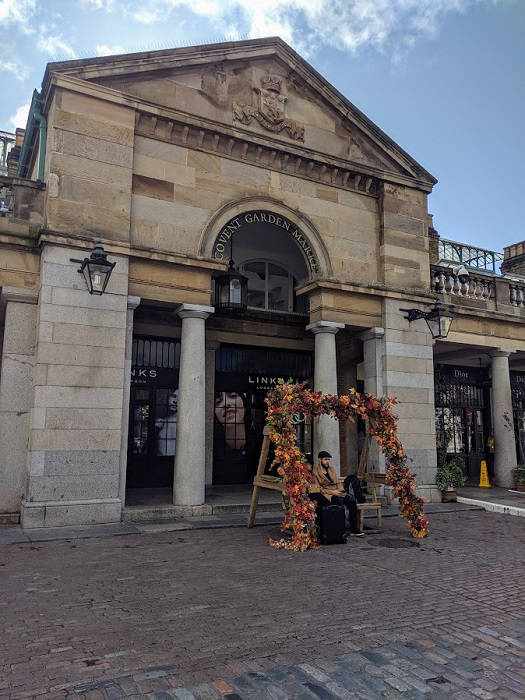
x=469, y=256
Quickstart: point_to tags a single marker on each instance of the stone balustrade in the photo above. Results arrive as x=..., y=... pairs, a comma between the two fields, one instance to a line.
x=447, y=281
x=21, y=199
x=517, y=294
x=492, y=292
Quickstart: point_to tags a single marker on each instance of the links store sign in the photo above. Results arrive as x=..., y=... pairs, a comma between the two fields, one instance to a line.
x=221, y=247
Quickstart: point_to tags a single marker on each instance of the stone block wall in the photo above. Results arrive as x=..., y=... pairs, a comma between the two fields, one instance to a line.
x=16, y=392
x=177, y=190
x=408, y=374
x=88, y=166
x=77, y=412
x=404, y=242
x=398, y=361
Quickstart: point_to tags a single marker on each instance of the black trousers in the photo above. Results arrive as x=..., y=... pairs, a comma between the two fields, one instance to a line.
x=347, y=501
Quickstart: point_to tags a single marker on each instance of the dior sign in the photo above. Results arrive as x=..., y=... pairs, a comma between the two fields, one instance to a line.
x=221, y=247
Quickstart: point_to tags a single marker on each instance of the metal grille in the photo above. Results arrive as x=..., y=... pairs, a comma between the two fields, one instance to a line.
x=247, y=360
x=155, y=353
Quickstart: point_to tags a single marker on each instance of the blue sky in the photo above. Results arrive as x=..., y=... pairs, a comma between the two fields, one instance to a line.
x=444, y=78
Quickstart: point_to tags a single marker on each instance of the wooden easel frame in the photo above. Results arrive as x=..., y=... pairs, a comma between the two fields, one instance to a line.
x=262, y=480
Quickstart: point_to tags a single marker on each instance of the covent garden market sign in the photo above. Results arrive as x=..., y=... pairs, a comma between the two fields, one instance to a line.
x=221, y=247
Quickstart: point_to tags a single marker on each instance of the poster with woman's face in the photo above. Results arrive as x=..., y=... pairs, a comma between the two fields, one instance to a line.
x=230, y=414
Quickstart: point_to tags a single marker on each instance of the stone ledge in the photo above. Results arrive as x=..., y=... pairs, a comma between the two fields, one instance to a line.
x=64, y=513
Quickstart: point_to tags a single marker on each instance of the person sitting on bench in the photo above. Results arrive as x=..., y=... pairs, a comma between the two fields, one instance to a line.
x=327, y=489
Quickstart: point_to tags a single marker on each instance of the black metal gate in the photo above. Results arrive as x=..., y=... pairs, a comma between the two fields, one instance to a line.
x=153, y=412
x=462, y=402
x=517, y=383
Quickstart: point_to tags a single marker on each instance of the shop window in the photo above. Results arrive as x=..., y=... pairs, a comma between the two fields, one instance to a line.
x=271, y=287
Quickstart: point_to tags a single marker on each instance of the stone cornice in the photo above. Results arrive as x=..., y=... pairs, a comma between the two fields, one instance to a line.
x=132, y=251
x=256, y=151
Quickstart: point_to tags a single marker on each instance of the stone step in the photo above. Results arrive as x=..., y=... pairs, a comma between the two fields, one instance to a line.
x=141, y=514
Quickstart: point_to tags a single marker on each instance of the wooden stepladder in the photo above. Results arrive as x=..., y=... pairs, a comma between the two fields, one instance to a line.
x=262, y=480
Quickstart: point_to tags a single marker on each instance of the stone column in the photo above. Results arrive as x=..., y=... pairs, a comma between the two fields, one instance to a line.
x=326, y=429
x=133, y=302
x=373, y=351
x=16, y=392
x=505, y=446
x=190, y=458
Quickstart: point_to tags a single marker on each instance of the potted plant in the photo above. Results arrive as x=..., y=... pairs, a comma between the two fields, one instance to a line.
x=450, y=477
x=519, y=478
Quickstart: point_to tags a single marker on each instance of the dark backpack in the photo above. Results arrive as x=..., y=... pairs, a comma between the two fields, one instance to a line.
x=332, y=525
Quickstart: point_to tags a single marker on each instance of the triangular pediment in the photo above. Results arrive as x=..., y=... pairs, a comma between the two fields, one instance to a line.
x=258, y=86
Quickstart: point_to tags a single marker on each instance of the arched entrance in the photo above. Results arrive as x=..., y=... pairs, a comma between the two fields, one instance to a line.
x=263, y=221
x=277, y=251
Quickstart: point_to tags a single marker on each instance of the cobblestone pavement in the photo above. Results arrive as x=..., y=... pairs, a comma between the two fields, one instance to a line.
x=218, y=613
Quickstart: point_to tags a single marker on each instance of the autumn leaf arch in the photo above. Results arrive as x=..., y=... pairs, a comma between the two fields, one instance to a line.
x=283, y=402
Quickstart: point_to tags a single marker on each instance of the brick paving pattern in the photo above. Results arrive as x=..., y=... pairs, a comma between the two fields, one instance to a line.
x=211, y=614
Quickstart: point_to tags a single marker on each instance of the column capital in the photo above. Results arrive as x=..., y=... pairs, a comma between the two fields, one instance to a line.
x=133, y=302
x=194, y=311
x=499, y=352
x=324, y=327
x=374, y=333
x=21, y=295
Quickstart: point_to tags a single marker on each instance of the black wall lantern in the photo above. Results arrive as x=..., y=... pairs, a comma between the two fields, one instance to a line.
x=96, y=270
x=439, y=319
x=231, y=288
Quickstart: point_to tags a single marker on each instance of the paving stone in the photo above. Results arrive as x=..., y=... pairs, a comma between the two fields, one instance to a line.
x=204, y=614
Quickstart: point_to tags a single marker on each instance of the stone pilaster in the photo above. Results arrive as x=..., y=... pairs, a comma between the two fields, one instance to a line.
x=16, y=392
x=326, y=429
x=505, y=460
x=408, y=374
x=133, y=302
x=190, y=458
x=76, y=419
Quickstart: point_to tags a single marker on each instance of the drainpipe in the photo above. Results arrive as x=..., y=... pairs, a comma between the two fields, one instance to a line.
x=35, y=117
x=42, y=138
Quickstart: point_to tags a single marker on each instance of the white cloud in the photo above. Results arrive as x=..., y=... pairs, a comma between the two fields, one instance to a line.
x=17, y=12
x=98, y=4
x=108, y=50
x=19, y=118
x=308, y=24
x=17, y=69
x=147, y=16
x=56, y=47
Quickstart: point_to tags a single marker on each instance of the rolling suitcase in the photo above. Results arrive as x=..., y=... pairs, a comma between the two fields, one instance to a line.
x=332, y=525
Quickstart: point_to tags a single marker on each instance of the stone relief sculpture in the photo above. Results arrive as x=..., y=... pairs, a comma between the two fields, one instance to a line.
x=215, y=86
x=270, y=109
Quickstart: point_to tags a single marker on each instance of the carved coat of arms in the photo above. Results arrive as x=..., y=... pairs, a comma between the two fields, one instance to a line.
x=270, y=111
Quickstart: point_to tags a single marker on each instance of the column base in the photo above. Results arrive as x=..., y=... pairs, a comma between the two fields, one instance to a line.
x=428, y=492
x=36, y=514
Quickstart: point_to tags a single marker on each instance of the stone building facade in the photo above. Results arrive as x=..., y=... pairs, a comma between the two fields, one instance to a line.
x=176, y=161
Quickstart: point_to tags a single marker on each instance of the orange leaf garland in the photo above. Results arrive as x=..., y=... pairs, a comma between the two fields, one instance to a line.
x=287, y=399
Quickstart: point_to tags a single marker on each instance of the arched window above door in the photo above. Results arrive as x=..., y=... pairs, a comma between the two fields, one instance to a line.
x=271, y=287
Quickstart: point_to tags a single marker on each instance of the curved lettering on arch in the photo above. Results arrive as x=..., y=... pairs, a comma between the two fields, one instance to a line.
x=222, y=241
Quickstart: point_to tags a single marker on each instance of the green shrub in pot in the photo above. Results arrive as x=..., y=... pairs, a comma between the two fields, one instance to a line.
x=450, y=474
